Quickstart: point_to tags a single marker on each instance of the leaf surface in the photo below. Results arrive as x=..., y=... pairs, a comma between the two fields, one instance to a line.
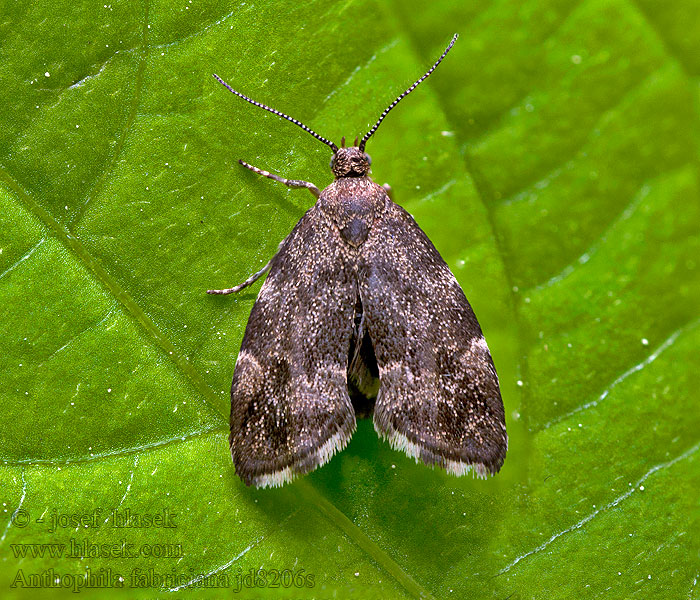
x=553, y=160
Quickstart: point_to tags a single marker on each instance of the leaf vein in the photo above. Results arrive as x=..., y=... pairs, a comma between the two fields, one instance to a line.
x=128, y=124
x=518, y=195
x=363, y=541
x=665, y=41
x=496, y=119
x=667, y=343
x=116, y=452
x=81, y=82
x=129, y=305
x=26, y=255
x=16, y=511
x=243, y=552
x=131, y=480
x=74, y=337
x=624, y=215
x=609, y=505
x=359, y=68
x=195, y=34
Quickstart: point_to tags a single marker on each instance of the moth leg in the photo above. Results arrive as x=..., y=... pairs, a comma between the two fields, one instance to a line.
x=250, y=281
x=293, y=183
x=389, y=191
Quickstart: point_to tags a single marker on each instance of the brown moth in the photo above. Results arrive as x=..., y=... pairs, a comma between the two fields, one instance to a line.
x=360, y=314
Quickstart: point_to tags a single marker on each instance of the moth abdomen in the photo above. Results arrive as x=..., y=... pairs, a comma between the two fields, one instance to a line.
x=363, y=373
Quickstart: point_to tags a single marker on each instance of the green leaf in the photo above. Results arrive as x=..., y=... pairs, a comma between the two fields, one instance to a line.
x=553, y=160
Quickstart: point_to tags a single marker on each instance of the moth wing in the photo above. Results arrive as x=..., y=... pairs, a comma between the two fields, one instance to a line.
x=439, y=398
x=290, y=409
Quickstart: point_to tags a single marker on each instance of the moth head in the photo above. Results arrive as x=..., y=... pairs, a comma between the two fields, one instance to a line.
x=350, y=162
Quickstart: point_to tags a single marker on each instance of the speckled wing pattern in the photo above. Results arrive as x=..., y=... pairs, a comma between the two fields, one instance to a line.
x=290, y=409
x=439, y=398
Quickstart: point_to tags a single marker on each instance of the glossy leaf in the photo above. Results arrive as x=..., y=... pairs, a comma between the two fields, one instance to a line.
x=552, y=159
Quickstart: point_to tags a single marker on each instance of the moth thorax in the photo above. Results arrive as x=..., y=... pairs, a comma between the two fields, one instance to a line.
x=350, y=162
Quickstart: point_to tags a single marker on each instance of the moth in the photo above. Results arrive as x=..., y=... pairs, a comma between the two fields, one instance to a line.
x=359, y=314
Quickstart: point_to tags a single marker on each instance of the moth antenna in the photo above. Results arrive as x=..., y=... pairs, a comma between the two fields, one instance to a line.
x=342, y=142
x=406, y=93
x=356, y=138
x=278, y=113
